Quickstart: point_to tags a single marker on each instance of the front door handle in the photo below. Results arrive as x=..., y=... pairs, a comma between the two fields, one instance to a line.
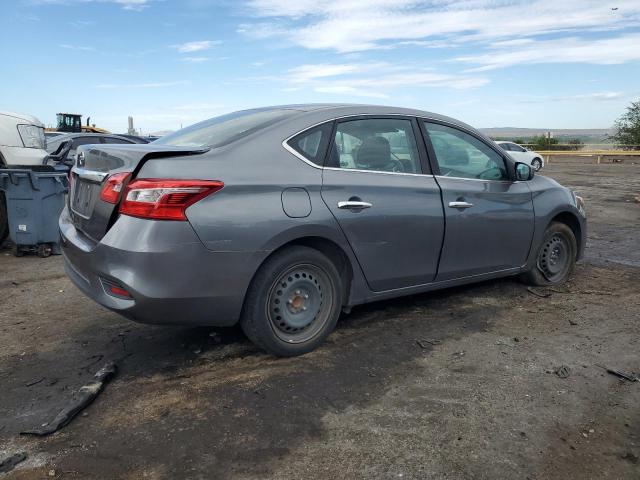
x=354, y=205
x=459, y=204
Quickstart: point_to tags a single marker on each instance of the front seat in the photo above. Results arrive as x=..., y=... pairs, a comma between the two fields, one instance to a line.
x=374, y=154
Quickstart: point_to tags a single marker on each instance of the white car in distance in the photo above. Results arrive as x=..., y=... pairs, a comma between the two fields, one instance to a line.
x=521, y=154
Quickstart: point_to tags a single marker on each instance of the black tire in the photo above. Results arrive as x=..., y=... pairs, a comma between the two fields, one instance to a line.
x=293, y=302
x=555, y=258
x=536, y=163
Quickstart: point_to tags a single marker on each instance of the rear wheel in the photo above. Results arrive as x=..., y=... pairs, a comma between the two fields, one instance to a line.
x=556, y=256
x=293, y=302
x=536, y=163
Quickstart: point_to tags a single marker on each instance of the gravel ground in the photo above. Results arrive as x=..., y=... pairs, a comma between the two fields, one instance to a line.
x=477, y=399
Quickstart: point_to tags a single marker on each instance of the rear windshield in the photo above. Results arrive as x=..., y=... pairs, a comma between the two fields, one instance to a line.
x=225, y=129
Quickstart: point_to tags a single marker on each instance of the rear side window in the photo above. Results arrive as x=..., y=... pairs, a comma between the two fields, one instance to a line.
x=225, y=129
x=85, y=141
x=312, y=144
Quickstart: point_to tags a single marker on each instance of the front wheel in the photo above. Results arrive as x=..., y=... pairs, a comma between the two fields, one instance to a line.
x=536, y=163
x=293, y=302
x=556, y=256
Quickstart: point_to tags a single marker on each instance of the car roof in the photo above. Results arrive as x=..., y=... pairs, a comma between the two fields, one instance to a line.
x=327, y=111
x=23, y=116
x=309, y=115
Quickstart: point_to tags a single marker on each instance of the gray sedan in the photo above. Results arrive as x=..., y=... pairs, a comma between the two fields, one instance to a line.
x=280, y=218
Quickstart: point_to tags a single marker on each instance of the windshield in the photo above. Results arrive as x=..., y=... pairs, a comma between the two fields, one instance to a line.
x=225, y=129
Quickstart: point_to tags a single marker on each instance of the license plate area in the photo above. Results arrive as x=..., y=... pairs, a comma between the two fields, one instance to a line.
x=83, y=197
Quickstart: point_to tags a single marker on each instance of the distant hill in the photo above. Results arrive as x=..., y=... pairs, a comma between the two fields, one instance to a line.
x=590, y=134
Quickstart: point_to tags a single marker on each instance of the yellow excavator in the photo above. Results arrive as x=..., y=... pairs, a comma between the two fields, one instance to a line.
x=72, y=123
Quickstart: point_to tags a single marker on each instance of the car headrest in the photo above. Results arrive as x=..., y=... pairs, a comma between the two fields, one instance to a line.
x=374, y=152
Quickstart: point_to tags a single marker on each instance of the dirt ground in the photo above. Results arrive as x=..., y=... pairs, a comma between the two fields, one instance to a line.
x=480, y=401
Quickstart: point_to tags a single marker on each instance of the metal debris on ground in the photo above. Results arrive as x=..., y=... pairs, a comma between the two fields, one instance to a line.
x=563, y=371
x=425, y=343
x=34, y=382
x=9, y=463
x=620, y=374
x=538, y=293
x=84, y=397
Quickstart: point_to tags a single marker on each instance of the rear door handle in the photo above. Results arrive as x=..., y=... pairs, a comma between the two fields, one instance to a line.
x=460, y=204
x=354, y=205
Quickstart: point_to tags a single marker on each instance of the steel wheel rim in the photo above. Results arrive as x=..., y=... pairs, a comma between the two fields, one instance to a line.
x=300, y=303
x=537, y=165
x=554, y=257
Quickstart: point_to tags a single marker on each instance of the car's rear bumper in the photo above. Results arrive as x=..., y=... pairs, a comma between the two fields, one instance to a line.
x=171, y=276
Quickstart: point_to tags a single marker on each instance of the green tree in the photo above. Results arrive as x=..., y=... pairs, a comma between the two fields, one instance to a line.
x=544, y=143
x=575, y=144
x=627, y=127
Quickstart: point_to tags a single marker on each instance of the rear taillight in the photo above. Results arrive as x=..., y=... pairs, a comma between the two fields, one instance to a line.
x=113, y=187
x=162, y=199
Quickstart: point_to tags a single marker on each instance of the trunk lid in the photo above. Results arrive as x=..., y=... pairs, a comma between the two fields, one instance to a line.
x=93, y=166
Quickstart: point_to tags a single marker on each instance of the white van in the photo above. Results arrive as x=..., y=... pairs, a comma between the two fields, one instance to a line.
x=22, y=140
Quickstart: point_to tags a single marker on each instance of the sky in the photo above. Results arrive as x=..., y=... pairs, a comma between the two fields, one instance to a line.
x=169, y=63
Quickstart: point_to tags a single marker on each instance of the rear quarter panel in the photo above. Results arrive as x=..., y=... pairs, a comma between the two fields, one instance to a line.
x=247, y=215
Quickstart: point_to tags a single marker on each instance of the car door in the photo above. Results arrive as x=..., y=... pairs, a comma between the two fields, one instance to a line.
x=377, y=184
x=489, y=217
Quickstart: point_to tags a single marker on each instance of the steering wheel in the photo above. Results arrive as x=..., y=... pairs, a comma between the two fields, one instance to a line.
x=396, y=165
x=480, y=175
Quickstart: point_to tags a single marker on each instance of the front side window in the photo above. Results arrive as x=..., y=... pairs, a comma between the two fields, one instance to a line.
x=462, y=155
x=516, y=148
x=377, y=144
x=32, y=136
x=225, y=129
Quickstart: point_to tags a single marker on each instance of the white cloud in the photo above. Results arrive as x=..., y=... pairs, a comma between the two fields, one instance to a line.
x=356, y=25
x=81, y=23
x=83, y=48
x=195, y=59
x=373, y=79
x=133, y=5
x=142, y=85
x=190, y=47
x=604, y=51
x=350, y=90
x=595, y=96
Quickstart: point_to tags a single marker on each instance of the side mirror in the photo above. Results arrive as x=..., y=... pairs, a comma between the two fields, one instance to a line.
x=523, y=172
